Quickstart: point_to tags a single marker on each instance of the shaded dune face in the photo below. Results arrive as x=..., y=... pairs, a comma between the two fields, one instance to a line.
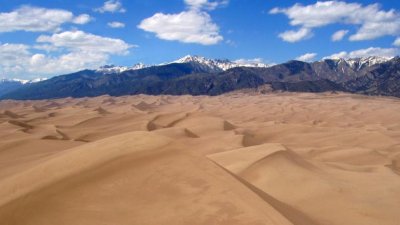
x=239, y=158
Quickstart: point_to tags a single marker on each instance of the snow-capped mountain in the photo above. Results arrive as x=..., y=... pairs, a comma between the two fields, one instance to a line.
x=138, y=66
x=196, y=76
x=218, y=64
x=210, y=65
x=22, y=81
x=110, y=69
x=8, y=85
x=360, y=63
x=37, y=80
x=14, y=80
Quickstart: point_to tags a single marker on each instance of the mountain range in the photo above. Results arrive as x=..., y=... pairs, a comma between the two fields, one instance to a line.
x=197, y=75
x=207, y=65
x=8, y=85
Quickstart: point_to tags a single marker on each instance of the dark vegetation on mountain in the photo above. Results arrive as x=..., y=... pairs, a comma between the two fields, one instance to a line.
x=7, y=86
x=355, y=76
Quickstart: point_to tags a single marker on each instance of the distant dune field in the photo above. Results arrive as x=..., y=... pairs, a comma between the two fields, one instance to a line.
x=238, y=158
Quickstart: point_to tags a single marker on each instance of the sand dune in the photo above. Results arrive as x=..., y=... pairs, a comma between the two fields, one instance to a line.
x=10, y=114
x=239, y=158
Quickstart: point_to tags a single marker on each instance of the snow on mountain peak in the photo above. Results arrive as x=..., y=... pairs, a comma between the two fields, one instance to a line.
x=138, y=66
x=371, y=60
x=212, y=64
x=108, y=69
x=22, y=81
x=359, y=63
x=220, y=64
x=38, y=80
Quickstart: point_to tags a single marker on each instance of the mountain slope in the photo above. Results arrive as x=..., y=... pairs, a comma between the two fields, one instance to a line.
x=383, y=80
x=216, y=65
x=200, y=76
x=9, y=85
x=94, y=83
x=343, y=70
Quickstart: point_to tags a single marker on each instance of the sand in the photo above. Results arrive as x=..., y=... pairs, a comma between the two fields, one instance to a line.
x=238, y=158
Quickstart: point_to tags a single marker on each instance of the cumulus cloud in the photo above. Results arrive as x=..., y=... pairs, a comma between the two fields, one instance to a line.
x=46, y=47
x=35, y=19
x=81, y=41
x=205, y=4
x=112, y=6
x=318, y=14
x=82, y=19
x=308, y=57
x=191, y=26
x=373, y=22
x=78, y=50
x=397, y=42
x=116, y=24
x=69, y=62
x=372, y=51
x=11, y=57
x=296, y=35
x=339, y=35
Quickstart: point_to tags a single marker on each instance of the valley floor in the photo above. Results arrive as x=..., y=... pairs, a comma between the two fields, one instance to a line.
x=238, y=158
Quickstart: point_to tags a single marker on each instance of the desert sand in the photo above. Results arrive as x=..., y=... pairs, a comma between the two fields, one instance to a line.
x=238, y=158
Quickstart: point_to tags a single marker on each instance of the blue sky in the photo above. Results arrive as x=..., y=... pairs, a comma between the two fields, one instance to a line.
x=42, y=38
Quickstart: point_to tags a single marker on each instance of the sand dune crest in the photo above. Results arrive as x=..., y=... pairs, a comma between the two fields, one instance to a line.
x=75, y=161
x=239, y=158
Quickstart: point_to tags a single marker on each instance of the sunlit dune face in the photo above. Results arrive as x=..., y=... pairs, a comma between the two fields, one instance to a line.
x=239, y=158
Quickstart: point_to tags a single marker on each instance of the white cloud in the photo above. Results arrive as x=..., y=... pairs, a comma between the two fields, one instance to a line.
x=78, y=50
x=205, y=4
x=319, y=14
x=70, y=62
x=372, y=51
x=46, y=47
x=12, y=57
x=191, y=26
x=231, y=43
x=373, y=22
x=370, y=31
x=259, y=62
x=339, y=35
x=111, y=6
x=295, y=36
x=308, y=57
x=35, y=19
x=249, y=61
x=397, y=42
x=82, y=19
x=116, y=24
x=81, y=41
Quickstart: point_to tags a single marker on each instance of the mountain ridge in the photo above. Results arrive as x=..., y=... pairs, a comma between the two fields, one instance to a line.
x=211, y=65
x=9, y=85
x=196, y=75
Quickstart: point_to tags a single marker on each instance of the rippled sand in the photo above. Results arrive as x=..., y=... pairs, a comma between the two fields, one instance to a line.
x=240, y=158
